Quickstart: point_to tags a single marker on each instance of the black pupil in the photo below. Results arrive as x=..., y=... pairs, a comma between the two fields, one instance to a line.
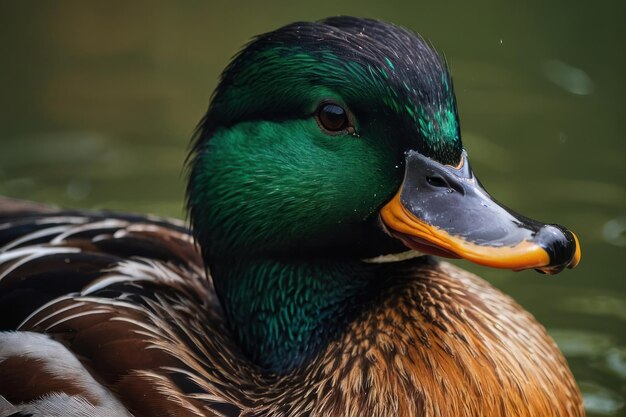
x=333, y=117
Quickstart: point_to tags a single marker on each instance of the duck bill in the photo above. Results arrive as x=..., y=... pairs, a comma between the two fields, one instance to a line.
x=444, y=210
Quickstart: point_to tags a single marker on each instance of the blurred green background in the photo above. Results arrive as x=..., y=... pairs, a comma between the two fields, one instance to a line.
x=99, y=101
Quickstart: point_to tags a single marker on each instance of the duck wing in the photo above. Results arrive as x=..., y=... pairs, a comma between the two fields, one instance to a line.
x=105, y=314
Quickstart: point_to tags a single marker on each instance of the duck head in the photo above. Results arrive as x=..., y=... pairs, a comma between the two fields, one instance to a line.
x=342, y=138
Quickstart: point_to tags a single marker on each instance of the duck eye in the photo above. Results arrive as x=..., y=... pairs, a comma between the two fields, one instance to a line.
x=332, y=118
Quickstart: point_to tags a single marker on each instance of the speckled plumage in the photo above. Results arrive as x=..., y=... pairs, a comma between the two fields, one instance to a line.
x=149, y=329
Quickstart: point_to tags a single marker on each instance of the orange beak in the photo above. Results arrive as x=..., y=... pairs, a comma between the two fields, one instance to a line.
x=443, y=210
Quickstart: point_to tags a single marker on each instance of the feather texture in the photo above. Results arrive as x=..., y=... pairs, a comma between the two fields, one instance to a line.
x=107, y=314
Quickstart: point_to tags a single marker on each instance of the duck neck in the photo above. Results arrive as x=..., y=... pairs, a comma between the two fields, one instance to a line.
x=283, y=311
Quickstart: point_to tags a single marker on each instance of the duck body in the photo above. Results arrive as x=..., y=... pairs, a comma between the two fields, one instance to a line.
x=130, y=299
x=328, y=148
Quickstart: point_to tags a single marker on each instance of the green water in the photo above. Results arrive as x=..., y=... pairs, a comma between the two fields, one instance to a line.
x=98, y=103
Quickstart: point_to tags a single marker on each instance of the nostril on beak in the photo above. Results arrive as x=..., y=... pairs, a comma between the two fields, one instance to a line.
x=437, y=181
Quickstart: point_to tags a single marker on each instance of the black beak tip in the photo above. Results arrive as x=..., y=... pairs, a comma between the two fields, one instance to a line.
x=561, y=246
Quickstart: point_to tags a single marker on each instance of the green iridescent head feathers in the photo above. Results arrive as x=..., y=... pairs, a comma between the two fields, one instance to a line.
x=261, y=169
x=373, y=66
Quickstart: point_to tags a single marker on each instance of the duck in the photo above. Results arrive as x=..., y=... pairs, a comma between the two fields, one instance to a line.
x=325, y=182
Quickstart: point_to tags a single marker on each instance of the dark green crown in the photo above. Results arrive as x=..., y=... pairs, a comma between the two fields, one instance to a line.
x=367, y=60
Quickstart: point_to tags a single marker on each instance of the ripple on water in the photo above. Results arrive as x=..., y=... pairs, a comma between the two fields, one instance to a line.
x=598, y=305
x=605, y=360
x=616, y=361
x=78, y=189
x=569, y=78
x=614, y=231
x=599, y=400
x=576, y=343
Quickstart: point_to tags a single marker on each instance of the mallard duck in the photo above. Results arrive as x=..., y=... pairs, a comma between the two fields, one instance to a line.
x=327, y=171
